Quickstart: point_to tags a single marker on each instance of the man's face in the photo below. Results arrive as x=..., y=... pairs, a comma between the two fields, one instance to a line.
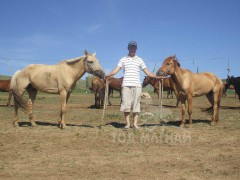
x=132, y=50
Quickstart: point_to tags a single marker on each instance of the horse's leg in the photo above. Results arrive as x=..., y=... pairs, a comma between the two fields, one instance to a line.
x=215, y=108
x=15, y=122
x=120, y=96
x=21, y=92
x=210, y=98
x=109, y=92
x=178, y=100
x=112, y=93
x=98, y=100
x=157, y=91
x=183, y=107
x=217, y=99
x=171, y=92
x=9, y=98
x=190, y=109
x=102, y=100
x=32, y=92
x=63, y=96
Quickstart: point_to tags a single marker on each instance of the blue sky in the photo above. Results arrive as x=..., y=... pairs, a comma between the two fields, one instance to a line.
x=202, y=33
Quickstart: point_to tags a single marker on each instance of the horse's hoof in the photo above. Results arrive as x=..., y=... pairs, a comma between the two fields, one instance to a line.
x=33, y=124
x=63, y=126
x=15, y=124
x=212, y=123
x=190, y=126
x=182, y=125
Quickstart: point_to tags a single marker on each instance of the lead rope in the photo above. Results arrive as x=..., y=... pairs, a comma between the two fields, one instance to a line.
x=160, y=97
x=105, y=99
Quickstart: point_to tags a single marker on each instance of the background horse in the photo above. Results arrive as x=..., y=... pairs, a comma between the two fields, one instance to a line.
x=167, y=86
x=5, y=87
x=235, y=82
x=98, y=86
x=155, y=83
x=56, y=79
x=114, y=84
x=191, y=85
x=226, y=87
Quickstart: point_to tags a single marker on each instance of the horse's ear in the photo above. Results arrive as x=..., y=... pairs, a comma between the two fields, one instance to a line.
x=174, y=57
x=94, y=54
x=179, y=65
x=86, y=52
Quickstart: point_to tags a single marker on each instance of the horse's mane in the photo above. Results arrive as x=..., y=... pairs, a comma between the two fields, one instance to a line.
x=73, y=60
x=176, y=62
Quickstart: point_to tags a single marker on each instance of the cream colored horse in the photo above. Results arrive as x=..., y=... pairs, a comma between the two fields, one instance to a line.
x=56, y=79
x=191, y=85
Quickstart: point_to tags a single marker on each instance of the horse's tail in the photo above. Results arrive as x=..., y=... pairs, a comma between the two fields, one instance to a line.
x=209, y=110
x=18, y=100
x=221, y=92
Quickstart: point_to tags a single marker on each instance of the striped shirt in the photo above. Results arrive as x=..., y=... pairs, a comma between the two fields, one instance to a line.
x=131, y=70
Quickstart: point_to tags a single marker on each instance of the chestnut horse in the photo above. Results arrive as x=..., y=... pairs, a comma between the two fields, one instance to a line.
x=167, y=86
x=235, y=82
x=191, y=85
x=98, y=86
x=114, y=84
x=5, y=87
x=56, y=79
x=155, y=83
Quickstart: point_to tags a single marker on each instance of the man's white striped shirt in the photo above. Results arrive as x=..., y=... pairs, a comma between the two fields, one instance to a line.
x=132, y=67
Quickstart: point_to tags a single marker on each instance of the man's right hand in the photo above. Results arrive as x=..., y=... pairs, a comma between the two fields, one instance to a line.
x=159, y=77
x=108, y=75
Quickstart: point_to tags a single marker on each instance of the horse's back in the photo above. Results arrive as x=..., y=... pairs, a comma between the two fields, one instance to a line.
x=203, y=83
x=5, y=85
x=42, y=77
x=115, y=83
x=206, y=77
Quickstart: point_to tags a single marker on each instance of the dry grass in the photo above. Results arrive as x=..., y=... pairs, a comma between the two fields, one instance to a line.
x=87, y=150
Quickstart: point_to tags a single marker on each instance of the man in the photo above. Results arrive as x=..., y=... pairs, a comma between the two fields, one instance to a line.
x=131, y=86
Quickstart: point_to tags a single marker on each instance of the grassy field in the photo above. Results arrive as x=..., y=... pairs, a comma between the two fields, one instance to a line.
x=89, y=148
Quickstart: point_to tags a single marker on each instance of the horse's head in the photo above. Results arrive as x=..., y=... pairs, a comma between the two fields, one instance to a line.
x=168, y=67
x=145, y=81
x=229, y=81
x=92, y=66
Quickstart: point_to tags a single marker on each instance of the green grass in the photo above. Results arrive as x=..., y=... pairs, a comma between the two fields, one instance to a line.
x=4, y=77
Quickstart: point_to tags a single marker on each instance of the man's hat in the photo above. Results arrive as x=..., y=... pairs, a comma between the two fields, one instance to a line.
x=132, y=43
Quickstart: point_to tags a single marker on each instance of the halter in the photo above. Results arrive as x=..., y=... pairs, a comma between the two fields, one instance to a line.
x=90, y=66
x=169, y=69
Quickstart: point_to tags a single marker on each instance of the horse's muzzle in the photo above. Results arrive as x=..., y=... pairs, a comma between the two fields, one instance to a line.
x=160, y=73
x=99, y=73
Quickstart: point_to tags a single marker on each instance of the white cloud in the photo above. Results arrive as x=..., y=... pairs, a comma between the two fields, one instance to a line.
x=39, y=40
x=94, y=28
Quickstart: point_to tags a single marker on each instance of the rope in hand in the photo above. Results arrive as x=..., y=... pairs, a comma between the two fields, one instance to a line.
x=105, y=99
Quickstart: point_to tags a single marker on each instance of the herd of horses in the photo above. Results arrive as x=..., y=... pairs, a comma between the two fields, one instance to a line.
x=62, y=77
